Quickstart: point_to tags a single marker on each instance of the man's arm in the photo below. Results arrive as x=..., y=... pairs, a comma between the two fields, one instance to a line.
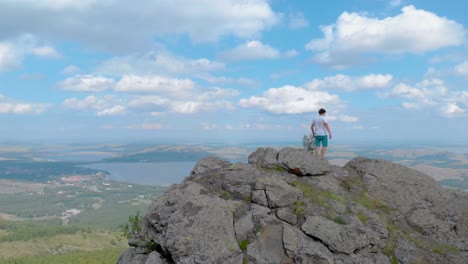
x=329, y=130
x=312, y=127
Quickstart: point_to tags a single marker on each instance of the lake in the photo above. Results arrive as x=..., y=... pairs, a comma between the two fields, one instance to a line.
x=146, y=173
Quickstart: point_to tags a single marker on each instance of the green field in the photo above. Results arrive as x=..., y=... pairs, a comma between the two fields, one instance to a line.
x=60, y=221
x=104, y=256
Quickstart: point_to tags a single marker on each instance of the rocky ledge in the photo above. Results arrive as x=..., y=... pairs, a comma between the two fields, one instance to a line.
x=289, y=207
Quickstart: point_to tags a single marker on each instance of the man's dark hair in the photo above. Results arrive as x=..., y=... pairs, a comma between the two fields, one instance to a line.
x=322, y=111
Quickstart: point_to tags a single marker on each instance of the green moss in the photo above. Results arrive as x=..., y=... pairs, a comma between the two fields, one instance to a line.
x=366, y=201
x=299, y=209
x=340, y=220
x=362, y=216
x=349, y=182
x=225, y=195
x=445, y=248
x=427, y=244
x=389, y=249
x=243, y=244
x=318, y=196
x=278, y=168
x=247, y=199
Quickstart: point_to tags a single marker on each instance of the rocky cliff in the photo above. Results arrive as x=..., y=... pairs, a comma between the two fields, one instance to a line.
x=289, y=207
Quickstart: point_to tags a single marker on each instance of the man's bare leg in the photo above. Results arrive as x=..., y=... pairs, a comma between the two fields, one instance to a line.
x=317, y=149
x=324, y=150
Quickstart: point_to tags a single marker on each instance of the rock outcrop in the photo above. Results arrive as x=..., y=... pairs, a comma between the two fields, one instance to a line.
x=290, y=207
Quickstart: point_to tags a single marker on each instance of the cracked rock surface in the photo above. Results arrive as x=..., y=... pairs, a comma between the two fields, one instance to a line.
x=289, y=207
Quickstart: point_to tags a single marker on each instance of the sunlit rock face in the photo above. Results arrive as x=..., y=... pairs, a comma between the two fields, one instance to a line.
x=288, y=206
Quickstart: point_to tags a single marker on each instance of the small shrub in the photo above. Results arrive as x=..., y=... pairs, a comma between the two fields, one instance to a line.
x=308, y=141
x=131, y=228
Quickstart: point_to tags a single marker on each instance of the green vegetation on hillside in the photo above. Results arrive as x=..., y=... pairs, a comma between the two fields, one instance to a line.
x=23, y=231
x=103, y=256
x=40, y=171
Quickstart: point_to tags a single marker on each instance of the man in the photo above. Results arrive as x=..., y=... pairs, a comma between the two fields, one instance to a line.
x=320, y=128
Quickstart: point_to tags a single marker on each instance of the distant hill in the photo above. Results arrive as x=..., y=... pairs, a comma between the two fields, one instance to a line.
x=160, y=156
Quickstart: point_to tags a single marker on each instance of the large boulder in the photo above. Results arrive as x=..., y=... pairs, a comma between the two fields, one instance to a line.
x=266, y=211
x=264, y=157
x=302, y=163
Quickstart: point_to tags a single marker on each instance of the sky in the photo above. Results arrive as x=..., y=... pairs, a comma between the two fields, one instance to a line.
x=227, y=71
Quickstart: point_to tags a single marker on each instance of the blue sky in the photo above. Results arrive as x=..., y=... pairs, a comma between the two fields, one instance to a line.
x=233, y=70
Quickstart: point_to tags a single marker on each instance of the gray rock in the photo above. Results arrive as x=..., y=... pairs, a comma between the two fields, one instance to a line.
x=264, y=157
x=366, y=258
x=278, y=192
x=203, y=219
x=243, y=190
x=259, y=197
x=268, y=247
x=130, y=256
x=303, y=249
x=339, y=238
x=155, y=258
x=208, y=164
x=301, y=162
x=244, y=227
x=416, y=198
x=287, y=214
x=259, y=211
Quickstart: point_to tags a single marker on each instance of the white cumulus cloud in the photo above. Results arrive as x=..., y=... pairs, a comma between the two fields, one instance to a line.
x=9, y=58
x=348, y=83
x=431, y=94
x=103, y=106
x=115, y=110
x=129, y=25
x=160, y=61
x=254, y=50
x=412, y=31
x=291, y=100
x=12, y=52
x=452, y=110
x=153, y=84
x=86, y=83
x=10, y=106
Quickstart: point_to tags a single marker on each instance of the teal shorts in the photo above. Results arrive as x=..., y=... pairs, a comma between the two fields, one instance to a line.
x=321, y=140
